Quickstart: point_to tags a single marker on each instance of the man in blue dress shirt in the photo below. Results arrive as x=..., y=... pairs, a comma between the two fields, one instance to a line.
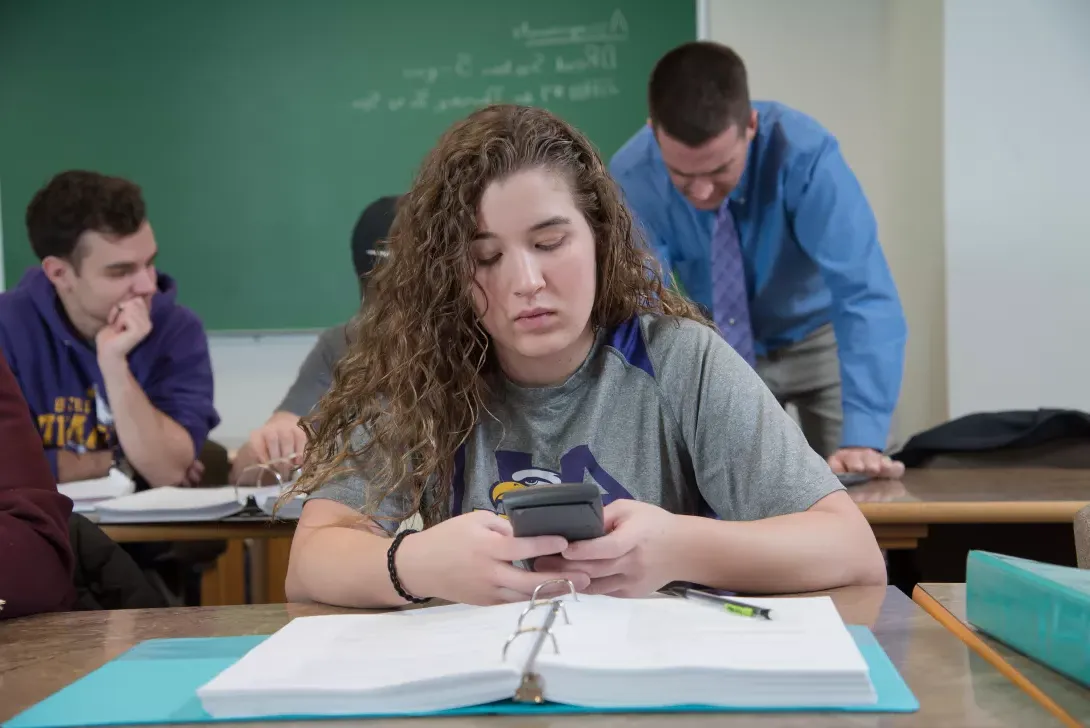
x=755, y=215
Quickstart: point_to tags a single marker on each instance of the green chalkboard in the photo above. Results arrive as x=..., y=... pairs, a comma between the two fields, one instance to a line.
x=259, y=129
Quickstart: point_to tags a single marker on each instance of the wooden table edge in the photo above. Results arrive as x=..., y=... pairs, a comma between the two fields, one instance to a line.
x=973, y=641
x=932, y=512
x=877, y=514
x=196, y=531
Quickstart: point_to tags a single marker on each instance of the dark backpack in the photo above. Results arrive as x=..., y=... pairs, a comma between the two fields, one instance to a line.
x=106, y=577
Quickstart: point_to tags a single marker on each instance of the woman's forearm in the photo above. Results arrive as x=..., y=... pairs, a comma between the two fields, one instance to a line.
x=800, y=552
x=341, y=566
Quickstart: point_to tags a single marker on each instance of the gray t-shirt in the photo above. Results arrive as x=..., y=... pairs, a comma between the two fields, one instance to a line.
x=316, y=373
x=663, y=411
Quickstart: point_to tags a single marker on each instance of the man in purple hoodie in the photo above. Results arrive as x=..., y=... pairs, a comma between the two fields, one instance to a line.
x=112, y=368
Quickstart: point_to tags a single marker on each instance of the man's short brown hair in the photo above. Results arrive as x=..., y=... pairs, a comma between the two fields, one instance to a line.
x=76, y=202
x=697, y=91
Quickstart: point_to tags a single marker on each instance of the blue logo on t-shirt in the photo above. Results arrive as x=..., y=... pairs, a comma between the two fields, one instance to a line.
x=516, y=471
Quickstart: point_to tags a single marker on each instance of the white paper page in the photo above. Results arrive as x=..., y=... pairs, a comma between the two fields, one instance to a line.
x=361, y=653
x=172, y=498
x=113, y=485
x=672, y=634
x=170, y=504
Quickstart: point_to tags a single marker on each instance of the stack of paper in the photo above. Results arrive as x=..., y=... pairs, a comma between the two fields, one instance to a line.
x=85, y=494
x=178, y=505
x=614, y=653
x=171, y=504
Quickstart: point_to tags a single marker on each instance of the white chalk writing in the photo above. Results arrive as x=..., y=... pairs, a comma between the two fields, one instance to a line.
x=614, y=30
x=462, y=68
x=547, y=70
x=510, y=68
x=491, y=95
x=594, y=58
x=368, y=103
x=552, y=92
x=584, y=90
x=592, y=88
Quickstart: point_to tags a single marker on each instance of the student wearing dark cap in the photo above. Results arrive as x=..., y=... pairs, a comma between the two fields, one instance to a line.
x=281, y=438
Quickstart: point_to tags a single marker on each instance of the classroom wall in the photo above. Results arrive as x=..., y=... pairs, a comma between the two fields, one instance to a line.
x=871, y=72
x=912, y=222
x=1017, y=226
x=252, y=376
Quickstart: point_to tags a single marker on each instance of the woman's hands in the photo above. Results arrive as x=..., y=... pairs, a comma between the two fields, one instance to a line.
x=637, y=556
x=468, y=559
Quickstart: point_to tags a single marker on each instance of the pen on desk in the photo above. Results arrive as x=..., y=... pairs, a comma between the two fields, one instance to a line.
x=734, y=607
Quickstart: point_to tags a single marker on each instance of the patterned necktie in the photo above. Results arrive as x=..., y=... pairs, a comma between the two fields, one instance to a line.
x=730, y=304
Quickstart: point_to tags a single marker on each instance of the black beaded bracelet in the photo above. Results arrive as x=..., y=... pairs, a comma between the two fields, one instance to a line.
x=390, y=553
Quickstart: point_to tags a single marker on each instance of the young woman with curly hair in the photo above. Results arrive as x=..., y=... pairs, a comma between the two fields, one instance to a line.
x=519, y=335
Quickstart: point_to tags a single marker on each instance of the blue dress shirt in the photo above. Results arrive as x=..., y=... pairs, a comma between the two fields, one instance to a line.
x=810, y=245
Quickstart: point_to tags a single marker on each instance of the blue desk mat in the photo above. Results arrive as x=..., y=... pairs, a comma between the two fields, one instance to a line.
x=156, y=683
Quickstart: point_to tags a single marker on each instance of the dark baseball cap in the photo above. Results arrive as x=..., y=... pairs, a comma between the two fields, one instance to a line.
x=372, y=228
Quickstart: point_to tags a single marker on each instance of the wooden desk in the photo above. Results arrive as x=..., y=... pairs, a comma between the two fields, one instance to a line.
x=900, y=511
x=43, y=654
x=224, y=583
x=1072, y=698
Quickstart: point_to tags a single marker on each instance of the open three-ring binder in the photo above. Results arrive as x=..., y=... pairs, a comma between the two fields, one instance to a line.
x=582, y=651
x=568, y=654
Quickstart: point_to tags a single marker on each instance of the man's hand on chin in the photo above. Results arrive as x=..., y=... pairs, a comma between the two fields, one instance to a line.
x=129, y=324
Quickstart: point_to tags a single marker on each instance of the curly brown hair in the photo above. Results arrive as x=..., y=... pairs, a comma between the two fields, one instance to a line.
x=419, y=370
x=76, y=202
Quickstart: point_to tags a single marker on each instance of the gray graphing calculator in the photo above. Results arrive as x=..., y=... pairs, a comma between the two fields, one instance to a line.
x=571, y=510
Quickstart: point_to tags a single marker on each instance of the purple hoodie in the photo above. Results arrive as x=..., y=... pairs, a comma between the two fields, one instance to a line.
x=59, y=375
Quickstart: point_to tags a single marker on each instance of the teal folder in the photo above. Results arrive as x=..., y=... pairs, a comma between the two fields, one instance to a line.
x=155, y=683
x=1041, y=610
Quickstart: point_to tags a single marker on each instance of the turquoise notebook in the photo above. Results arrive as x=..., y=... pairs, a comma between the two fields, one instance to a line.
x=1041, y=610
x=155, y=683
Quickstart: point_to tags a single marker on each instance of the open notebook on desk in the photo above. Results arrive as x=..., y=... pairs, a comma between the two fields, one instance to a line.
x=177, y=505
x=610, y=653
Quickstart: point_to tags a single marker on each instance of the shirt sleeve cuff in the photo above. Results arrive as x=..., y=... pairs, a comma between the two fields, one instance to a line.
x=198, y=434
x=865, y=429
